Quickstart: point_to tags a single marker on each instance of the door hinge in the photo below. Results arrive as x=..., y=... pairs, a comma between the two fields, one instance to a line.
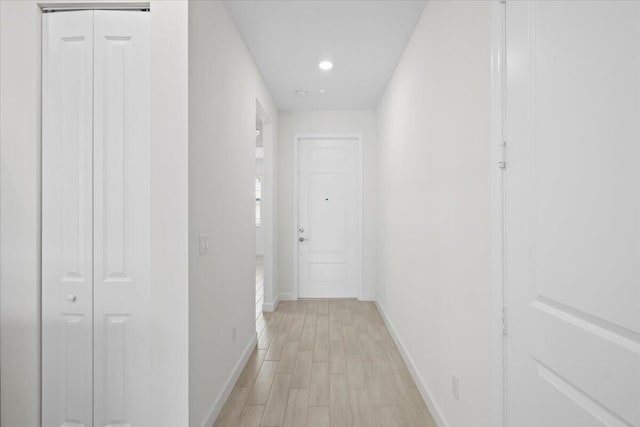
x=502, y=164
x=504, y=321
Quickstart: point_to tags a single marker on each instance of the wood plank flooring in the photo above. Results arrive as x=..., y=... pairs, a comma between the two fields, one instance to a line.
x=322, y=363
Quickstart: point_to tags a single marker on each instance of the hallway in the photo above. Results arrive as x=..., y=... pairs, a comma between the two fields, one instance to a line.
x=321, y=363
x=409, y=213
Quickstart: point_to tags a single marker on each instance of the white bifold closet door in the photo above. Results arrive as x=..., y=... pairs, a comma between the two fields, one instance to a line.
x=95, y=219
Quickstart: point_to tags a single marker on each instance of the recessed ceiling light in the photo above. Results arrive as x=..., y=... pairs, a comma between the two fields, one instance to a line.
x=301, y=92
x=323, y=91
x=325, y=65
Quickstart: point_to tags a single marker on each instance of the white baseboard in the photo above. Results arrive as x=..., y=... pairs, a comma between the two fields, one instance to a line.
x=367, y=297
x=434, y=409
x=289, y=296
x=231, y=381
x=270, y=307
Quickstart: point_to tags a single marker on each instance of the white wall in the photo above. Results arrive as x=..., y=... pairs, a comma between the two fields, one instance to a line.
x=223, y=87
x=434, y=277
x=20, y=35
x=20, y=213
x=169, y=213
x=324, y=121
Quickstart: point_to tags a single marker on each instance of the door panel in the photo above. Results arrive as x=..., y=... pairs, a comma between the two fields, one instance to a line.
x=329, y=218
x=327, y=214
x=67, y=362
x=572, y=213
x=121, y=209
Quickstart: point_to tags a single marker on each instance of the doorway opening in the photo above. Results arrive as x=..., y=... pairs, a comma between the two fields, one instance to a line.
x=264, y=197
x=96, y=190
x=259, y=216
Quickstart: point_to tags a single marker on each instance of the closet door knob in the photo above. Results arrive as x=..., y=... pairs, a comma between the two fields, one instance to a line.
x=71, y=298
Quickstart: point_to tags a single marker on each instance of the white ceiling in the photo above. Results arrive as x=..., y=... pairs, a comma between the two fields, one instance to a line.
x=364, y=39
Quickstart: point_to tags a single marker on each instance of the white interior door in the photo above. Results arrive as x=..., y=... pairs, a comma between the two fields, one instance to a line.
x=95, y=219
x=121, y=215
x=67, y=219
x=329, y=218
x=573, y=213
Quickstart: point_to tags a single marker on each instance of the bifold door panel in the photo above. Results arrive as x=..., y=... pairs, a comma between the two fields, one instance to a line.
x=67, y=220
x=121, y=217
x=95, y=218
x=573, y=213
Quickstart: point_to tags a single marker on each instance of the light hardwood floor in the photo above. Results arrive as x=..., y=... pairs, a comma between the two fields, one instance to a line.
x=325, y=363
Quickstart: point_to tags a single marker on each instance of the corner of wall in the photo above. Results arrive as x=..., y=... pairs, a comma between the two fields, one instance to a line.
x=271, y=306
x=224, y=85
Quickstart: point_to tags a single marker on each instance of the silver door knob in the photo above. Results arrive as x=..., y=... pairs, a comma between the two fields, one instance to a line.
x=71, y=298
x=301, y=239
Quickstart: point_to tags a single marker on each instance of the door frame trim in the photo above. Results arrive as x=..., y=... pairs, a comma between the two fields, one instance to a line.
x=498, y=153
x=47, y=7
x=269, y=299
x=351, y=136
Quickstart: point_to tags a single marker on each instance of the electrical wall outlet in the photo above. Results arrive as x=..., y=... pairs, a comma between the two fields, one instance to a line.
x=455, y=387
x=203, y=244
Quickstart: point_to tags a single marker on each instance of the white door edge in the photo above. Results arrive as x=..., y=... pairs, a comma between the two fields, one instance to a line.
x=497, y=141
x=346, y=136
